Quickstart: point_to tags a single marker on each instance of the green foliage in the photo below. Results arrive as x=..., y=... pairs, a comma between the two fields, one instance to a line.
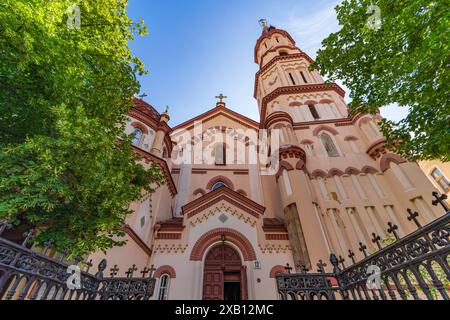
x=64, y=96
x=405, y=61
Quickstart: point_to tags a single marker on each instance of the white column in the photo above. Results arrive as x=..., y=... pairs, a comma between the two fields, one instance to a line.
x=255, y=184
x=338, y=232
x=351, y=212
x=250, y=280
x=183, y=188
x=322, y=230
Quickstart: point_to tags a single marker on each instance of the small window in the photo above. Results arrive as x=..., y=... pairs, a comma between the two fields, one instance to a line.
x=440, y=179
x=163, y=287
x=329, y=145
x=220, y=154
x=278, y=40
x=292, y=78
x=303, y=77
x=313, y=110
x=137, y=137
x=218, y=185
x=284, y=53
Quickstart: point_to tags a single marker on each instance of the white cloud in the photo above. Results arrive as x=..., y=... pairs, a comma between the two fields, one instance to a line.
x=310, y=27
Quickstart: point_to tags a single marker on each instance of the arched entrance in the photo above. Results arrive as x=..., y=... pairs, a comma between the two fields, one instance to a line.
x=224, y=277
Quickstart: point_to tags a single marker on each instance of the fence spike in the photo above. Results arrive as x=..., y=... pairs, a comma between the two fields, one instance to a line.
x=393, y=229
x=413, y=217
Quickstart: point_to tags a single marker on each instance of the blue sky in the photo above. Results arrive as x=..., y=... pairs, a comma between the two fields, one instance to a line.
x=198, y=49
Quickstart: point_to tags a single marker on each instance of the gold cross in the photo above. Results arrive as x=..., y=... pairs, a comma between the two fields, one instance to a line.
x=221, y=97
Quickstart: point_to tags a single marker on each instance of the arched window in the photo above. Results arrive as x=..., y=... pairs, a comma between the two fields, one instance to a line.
x=440, y=179
x=164, y=283
x=313, y=110
x=329, y=145
x=218, y=184
x=137, y=137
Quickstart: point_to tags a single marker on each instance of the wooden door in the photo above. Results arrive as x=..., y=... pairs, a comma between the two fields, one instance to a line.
x=213, y=285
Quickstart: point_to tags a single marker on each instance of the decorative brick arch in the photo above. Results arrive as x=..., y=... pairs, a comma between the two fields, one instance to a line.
x=300, y=164
x=318, y=173
x=388, y=158
x=232, y=236
x=363, y=119
x=325, y=128
x=335, y=172
x=306, y=103
x=284, y=165
x=352, y=170
x=224, y=179
x=276, y=270
x=140, y=126
x=165, y=270
x=369, y=169
x=199, y=191
x=326, y=101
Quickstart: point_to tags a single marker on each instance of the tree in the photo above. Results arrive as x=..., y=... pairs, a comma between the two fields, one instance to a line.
x=66, y=83
x=402, y=59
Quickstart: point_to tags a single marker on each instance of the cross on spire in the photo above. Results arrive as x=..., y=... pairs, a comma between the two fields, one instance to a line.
x=221, y=97
x=393, y=229
x=143, y=95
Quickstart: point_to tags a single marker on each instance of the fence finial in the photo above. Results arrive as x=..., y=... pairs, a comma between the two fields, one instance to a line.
x=363, y=248
x=4, y=225
x=321, y=266
x=413, y=217
x=393, y=229
x=302, y=267
x=28, y=237
x=376, y=239
x=113, y=271
x=351, y=255
x=440, y=199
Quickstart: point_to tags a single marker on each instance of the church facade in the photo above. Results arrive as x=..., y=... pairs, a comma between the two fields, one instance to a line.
x=234, y=211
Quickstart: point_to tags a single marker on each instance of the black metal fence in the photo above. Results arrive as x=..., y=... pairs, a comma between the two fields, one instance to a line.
x=414, y=267
x=27, y=274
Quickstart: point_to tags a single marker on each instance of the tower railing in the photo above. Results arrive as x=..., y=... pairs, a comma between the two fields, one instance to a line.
x=415, y=267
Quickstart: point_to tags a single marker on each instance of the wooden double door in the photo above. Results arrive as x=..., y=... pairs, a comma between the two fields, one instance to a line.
x=225, y=278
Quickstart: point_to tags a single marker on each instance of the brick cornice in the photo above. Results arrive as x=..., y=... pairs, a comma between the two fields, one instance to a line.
x=133, y=235
x=212, y=113
x=277, y=117
x=296, y=90
x=150, y=158
x=223, y=193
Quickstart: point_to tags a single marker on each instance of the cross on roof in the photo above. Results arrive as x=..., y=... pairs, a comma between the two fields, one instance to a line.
x=143, y=95
x=221, y=97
